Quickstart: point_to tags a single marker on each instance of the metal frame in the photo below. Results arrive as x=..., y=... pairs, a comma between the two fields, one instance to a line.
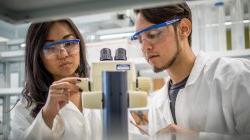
x=19, y=11
x=5, y=95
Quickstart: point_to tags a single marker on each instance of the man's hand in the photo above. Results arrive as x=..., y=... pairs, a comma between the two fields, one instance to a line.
x=174, y=129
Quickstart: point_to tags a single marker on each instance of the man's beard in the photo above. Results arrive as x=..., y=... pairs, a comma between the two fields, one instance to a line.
x=167, y=65
x=171, y=62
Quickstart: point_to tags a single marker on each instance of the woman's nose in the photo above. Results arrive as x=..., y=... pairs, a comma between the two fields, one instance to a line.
x=63, y=52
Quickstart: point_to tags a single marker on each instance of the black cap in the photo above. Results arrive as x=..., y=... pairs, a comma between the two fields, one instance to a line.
x=120, y=54
x=105, y=54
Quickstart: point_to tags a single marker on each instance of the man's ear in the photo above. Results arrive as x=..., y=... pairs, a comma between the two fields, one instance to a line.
x=185, y=28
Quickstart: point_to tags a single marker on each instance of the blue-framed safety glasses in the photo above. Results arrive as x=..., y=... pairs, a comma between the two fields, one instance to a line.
x=136, y=35
x=66, y=41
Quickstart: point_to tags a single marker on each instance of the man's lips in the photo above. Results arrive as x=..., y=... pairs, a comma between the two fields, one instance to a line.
x=152, y=56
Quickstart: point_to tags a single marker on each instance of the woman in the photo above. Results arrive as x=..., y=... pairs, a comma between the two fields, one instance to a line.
x=51, y=106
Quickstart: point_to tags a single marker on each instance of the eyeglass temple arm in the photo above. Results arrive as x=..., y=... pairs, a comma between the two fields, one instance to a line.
x=134, y=37
x=60, y=42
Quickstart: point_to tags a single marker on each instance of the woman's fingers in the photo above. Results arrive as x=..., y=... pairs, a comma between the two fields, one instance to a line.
x=60, y=97
x=60, y=93
x=72, y=80
x=67, y=86
x=56, y=91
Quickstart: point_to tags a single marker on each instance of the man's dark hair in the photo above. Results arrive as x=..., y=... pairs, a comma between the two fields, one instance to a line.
x=161, y=14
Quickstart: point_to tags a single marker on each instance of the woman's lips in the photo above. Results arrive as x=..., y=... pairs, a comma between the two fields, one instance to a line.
x=65, y=64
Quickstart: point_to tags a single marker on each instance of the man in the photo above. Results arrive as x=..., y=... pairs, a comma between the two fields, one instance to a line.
x=203, y=97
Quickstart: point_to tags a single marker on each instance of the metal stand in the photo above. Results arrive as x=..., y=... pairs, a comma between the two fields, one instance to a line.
x=115, y=103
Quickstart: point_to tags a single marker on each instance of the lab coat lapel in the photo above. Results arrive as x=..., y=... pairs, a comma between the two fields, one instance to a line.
x=186, y=97
x=164, y=104
x=199, y=64
x=183, y=106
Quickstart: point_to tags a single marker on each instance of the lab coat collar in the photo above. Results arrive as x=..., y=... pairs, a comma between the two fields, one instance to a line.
x=163, y=94
x=199, y=64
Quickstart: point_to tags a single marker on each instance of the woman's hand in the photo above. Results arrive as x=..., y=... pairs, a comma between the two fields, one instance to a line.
x=58, y=96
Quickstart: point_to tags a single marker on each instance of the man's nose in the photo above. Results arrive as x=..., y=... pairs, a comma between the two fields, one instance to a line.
x=146, y=45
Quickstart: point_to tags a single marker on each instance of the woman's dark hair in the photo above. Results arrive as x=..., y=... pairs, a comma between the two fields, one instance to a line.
x=161, y=14
x=37, y=78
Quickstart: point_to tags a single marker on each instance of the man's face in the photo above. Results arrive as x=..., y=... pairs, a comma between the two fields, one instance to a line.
x=159, y=46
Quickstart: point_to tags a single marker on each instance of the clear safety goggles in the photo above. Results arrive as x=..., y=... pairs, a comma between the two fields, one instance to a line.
x=152, y=33
x=54, y=48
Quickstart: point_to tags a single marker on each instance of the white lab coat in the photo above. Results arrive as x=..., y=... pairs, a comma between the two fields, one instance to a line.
x=69, y=124
x=215, y=100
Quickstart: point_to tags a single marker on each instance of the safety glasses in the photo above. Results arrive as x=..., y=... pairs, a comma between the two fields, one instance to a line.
x=52, y=49
x=152, y=32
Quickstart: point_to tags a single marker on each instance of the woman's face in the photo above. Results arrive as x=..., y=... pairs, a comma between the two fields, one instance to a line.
x=61, y=59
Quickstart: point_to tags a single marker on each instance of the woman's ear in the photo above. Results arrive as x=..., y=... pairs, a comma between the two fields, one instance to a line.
x=185, y=28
